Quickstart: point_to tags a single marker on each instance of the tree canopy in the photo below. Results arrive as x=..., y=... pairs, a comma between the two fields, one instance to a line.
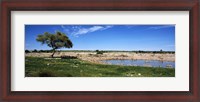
x=55, y=41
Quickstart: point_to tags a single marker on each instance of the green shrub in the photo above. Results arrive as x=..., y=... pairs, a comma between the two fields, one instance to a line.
x=99, y=52
x=27, y=51
x=34, y=50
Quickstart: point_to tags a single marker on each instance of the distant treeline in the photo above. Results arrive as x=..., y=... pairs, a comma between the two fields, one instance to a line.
x=172, y=52
x=98, y=51
x=36, y=51
x=50, y=51
x=139, y=51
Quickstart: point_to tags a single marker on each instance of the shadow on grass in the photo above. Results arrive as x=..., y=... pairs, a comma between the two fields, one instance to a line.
x=69, y=57
x=46, y=74
x=51, y=74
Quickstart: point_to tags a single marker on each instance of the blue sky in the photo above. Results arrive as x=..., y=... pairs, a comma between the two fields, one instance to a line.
x=107, y=37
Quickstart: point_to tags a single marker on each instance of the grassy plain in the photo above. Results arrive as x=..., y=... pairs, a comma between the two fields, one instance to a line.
x=57, y=67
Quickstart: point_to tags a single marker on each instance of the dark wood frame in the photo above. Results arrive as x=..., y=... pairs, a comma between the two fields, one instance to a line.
x=193, y=95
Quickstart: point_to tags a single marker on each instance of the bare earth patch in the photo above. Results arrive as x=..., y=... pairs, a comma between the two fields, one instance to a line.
x=96, y=58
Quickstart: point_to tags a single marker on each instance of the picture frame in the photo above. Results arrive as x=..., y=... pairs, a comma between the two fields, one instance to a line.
x=193, y=95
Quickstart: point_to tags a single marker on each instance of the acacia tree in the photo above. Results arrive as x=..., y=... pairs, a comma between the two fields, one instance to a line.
x=55, y=41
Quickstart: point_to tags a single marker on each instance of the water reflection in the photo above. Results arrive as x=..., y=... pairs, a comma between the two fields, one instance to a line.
x=147, y=63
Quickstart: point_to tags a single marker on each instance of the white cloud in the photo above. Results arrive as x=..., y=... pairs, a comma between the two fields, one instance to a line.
x=65, y=29
x=82, y=31
x=161, y=27
x=88, y=30
x=62, y=26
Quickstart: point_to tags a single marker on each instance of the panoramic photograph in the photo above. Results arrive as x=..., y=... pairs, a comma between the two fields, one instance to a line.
x=100, y=50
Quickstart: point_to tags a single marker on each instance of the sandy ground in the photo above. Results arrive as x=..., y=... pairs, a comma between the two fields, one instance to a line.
x=93, y=57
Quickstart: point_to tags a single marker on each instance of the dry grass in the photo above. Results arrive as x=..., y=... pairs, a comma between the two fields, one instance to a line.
x=96, y=58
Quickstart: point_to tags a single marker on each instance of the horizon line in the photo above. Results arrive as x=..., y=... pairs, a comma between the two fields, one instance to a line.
x=105, y=50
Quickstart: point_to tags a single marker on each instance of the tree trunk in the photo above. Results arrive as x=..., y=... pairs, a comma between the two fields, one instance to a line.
x=53, y=53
